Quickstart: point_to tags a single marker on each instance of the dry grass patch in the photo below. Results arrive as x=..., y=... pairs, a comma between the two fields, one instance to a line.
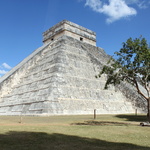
x=74, y=133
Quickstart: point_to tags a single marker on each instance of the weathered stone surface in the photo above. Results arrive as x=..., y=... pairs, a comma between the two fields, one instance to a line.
x=59, y=78
x=70, y=29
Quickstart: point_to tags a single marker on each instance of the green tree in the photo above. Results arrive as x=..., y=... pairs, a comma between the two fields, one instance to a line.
x=131, y=64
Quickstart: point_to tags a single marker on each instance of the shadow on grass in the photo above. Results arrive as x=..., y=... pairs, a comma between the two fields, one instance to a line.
x=138, y=118
x=102, y=123
x=44, y=141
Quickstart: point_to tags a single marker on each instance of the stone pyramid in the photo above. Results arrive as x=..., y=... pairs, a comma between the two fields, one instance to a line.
x=59, y=78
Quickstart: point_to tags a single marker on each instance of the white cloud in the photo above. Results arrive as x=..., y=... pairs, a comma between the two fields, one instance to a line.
x=117, y=9
x=114, y=9
x=94, y=4
x=3, y=71
x=142, y=4
x=6, y=66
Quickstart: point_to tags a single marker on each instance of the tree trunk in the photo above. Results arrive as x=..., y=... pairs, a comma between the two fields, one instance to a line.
x=148, y=109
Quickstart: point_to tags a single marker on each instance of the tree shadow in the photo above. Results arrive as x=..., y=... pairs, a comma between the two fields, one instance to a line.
x=102, y=123
x=55, y=141
x=136, y=118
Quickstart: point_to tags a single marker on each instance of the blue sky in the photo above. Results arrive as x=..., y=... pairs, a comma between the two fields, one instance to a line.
x=22, y=23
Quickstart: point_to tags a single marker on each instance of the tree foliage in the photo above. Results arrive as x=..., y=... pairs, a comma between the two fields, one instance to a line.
x=131, y=64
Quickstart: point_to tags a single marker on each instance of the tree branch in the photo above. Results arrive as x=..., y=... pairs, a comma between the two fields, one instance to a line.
x=138, y=90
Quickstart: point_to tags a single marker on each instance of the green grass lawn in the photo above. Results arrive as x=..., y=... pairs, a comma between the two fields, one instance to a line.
x=106, y=132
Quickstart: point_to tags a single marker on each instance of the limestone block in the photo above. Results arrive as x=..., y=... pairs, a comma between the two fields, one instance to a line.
x=17, y=108
x=36, y=106
x=3, y=110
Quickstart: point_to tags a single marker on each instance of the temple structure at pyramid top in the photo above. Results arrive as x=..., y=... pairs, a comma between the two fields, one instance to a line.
x=69, y=29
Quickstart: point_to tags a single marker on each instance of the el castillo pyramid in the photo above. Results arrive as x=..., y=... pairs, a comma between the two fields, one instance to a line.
x=59, y=78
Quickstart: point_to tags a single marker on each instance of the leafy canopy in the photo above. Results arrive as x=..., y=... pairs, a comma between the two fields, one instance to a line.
x=132, y=64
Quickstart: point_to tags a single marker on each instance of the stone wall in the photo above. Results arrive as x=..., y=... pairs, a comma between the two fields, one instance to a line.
x=69, y=29
x=26, y=90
